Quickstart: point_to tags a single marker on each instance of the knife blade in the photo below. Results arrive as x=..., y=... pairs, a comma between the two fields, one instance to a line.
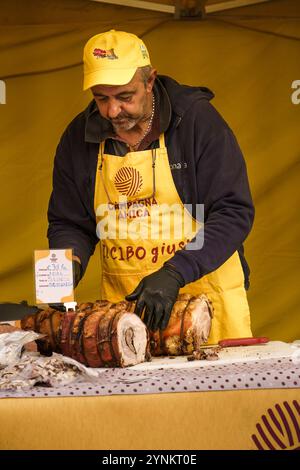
x=10, y=311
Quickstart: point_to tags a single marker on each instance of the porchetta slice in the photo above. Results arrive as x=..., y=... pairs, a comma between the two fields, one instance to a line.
x=132, y=340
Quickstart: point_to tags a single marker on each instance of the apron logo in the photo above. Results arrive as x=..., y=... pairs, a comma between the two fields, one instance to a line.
x=128, y=181
x=279, y=428
x=102, y=54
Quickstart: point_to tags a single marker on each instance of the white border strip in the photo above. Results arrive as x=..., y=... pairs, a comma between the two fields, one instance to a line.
x=141, y=4
x=171, y=9
x=232, y=4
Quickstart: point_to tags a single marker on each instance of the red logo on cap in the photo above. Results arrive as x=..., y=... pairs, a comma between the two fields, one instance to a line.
x=102, y=53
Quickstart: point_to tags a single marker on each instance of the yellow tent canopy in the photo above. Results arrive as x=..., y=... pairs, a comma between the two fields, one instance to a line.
x=248, y=56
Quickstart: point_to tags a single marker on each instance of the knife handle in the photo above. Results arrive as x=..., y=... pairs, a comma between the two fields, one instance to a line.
x=242, y=341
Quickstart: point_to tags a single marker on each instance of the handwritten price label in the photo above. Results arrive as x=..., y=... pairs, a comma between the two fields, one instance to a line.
x=53, y=276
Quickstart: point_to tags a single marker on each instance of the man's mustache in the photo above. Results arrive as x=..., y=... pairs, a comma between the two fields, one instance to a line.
x=121, y=117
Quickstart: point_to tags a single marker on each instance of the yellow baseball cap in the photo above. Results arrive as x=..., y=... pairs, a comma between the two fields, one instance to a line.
x=111, y=58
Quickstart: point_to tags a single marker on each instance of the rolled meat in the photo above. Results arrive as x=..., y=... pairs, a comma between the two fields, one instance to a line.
x=103, y=334
x=97, y=335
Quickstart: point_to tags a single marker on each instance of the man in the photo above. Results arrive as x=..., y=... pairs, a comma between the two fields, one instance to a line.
x=146, y=144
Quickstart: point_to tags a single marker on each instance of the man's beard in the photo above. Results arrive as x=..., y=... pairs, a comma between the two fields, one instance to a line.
x=124, y=123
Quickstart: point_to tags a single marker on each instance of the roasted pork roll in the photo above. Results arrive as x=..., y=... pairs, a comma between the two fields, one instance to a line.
x=105, y=334
x=97, y=335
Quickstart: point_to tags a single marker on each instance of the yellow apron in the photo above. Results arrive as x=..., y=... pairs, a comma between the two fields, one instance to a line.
x=138, y=233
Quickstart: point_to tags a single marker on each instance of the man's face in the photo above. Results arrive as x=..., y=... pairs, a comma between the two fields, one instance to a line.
x=125, y=105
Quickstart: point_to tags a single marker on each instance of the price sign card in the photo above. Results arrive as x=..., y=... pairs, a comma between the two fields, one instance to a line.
x=53, y=276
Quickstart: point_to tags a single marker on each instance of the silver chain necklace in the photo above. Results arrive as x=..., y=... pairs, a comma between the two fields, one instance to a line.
x=148, y=127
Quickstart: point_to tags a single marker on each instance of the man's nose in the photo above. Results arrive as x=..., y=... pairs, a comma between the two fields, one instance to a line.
x=113, y=109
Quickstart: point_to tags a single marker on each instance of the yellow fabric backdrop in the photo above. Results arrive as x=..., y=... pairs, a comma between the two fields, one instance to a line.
x=248, y=57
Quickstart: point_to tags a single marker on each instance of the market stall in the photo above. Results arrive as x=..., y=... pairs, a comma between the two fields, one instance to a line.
x=248, y=398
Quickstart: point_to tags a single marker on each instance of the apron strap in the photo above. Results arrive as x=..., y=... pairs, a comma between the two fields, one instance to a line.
x=162, y=140
x=101, y=151
x=101, y=148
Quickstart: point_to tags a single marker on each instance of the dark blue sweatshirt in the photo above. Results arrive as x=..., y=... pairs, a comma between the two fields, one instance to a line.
x=206, y=164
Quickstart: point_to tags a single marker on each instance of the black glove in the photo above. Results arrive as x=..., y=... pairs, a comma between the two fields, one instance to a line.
x=157, y=293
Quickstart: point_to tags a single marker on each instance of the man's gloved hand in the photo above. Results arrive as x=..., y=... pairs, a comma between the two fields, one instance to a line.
x=157, y=293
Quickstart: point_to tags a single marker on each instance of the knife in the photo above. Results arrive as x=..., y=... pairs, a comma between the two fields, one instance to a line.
x=231, y=342
x=10, y=311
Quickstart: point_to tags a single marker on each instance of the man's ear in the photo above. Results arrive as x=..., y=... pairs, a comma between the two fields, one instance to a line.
x=151, y=80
